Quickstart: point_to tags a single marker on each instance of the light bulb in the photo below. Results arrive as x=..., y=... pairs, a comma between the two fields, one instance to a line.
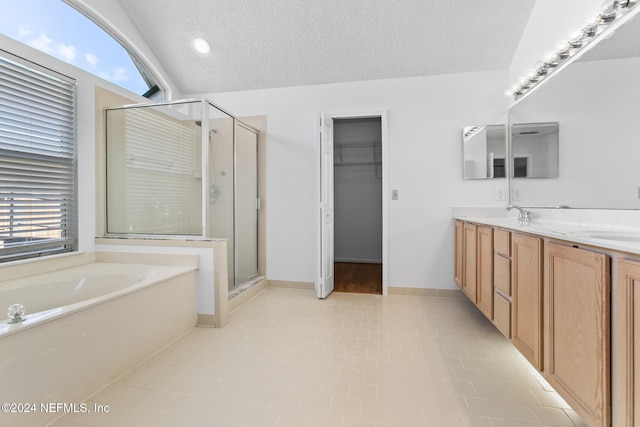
x=201, y=45
x=590, y=29
x=608, y=12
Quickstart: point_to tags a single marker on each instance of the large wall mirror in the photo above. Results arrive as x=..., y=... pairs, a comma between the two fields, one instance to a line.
x=484, y=151
x=596, y=101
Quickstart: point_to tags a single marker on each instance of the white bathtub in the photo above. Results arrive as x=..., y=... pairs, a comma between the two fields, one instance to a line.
x=85, y=326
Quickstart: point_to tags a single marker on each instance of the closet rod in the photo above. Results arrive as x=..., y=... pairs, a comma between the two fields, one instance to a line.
x=357, y=163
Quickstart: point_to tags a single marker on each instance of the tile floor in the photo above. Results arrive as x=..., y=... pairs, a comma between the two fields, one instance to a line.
x=352, y=360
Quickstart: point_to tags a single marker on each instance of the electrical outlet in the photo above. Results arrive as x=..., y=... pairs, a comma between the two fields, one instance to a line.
x=500, y=195
x=515, y=194
x=394, y=194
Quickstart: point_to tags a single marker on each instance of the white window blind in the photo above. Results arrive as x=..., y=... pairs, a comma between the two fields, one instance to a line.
x=153, y=173
x=37, y=161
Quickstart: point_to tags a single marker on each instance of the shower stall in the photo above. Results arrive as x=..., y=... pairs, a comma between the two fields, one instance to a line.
x=184, y=169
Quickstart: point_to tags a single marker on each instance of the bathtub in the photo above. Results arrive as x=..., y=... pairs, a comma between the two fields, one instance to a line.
x=85, y=326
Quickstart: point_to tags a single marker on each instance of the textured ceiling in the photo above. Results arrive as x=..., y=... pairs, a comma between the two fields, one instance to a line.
x=260, y=44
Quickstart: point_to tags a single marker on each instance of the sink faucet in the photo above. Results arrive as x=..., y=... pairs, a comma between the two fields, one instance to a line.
x=524, y=217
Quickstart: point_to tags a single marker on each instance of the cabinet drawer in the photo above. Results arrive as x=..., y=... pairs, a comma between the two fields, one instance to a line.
x=502, y=242
x=502, y=314
x=502, y=274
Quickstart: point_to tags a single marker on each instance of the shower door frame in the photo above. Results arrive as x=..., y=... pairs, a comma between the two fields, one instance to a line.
x=236, y=228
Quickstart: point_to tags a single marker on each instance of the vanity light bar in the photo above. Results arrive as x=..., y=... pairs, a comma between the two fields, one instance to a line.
x=609, y=12
x=469, y=131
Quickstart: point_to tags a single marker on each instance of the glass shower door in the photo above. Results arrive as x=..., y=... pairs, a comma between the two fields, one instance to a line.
x=221, y=183
x=246, y=203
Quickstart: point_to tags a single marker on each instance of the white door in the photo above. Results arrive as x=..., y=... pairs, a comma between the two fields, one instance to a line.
x=325, y=282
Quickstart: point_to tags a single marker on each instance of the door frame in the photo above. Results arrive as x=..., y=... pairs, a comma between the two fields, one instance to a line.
x=386, y=193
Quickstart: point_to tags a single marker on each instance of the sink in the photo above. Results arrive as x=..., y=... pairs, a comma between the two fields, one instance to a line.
x=617, y=236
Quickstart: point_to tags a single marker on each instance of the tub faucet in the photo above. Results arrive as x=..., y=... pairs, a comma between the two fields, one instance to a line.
x=524, y=218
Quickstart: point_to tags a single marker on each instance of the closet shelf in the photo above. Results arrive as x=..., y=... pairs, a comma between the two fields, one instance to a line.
x=370, y=153
x=357, y=164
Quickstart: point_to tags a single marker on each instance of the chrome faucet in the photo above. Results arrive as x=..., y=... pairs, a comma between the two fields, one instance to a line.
x=524, y=217
x=16, y=313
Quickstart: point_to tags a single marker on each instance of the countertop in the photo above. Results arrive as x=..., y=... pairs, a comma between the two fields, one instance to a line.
x=617, y=230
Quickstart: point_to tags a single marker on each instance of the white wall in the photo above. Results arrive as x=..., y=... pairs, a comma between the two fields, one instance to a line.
x=550, y=22
x=425, y=118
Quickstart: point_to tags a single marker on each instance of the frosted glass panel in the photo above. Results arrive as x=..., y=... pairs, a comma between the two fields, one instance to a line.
x=246, y=209
x=154, y=178
x=220, y=194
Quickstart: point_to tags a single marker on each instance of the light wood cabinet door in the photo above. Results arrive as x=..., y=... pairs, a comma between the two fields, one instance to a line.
x=502, y=275
x=485, y=271
x=626, y=402
x=469, y=274
x=502, y=242
x=577, y=322
x=459, y=253
x=526, y=288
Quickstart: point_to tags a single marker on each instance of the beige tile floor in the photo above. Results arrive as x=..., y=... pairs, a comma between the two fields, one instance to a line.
x=352, y=360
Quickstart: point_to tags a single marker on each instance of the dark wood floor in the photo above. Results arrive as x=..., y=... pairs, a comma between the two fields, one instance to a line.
x=358, y=277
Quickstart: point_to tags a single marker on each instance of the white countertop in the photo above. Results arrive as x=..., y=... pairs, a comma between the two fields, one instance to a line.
x=610, y=229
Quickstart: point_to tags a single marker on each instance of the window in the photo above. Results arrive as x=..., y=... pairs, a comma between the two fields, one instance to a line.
x=37, y=161
x=62, y=32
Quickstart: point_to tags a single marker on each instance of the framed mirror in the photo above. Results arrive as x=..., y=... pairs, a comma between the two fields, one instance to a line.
x=484, y=151
x=596, y=99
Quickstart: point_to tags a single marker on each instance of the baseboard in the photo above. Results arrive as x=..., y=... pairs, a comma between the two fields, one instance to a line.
x=423, y=292
x=307, y=286
x=426, y=292
x=206, y=320
x=240, y=299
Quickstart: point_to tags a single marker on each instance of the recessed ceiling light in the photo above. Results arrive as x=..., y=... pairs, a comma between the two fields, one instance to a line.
x=201, y=45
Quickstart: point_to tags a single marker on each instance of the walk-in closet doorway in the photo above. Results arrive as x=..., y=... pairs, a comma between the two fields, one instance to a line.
x=357, y=180
x=353, y=182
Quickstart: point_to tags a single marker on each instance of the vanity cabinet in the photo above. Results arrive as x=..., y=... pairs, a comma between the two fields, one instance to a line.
x=501, y=272
x=571, y=309
x=577, y=325
x=527, y=300
x=627, y=355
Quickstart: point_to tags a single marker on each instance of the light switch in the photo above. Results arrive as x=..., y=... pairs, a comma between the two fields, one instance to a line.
x=394, y=194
